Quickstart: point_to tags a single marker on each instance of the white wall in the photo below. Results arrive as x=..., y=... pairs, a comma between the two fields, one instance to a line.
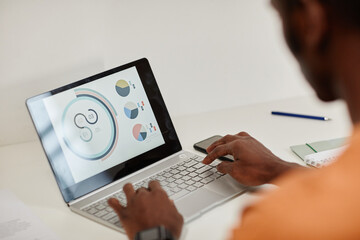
x=205, y=54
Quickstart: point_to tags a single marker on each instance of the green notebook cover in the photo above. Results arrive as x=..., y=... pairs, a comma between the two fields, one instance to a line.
x=304, y=150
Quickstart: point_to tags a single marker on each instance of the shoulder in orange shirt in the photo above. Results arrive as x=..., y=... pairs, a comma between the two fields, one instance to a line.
x=310, y=204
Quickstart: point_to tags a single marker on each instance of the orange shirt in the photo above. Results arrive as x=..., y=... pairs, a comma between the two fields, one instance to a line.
x=310, y=204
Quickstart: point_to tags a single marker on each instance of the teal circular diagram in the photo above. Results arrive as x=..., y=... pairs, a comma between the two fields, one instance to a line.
x=90, y=128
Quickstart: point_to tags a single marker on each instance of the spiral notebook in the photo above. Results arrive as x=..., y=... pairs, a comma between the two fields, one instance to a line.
x=322, y=153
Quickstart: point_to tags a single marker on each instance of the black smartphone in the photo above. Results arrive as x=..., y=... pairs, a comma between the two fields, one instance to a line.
x=204, y=144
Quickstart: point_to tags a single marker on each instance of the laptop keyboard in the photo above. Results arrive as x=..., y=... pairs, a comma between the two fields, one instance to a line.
x=177, y=180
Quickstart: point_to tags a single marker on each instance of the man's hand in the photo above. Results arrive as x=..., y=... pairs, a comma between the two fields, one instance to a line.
x=147, y=208
x=254, y=164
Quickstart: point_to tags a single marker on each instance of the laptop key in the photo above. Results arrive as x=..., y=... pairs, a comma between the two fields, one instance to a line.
x=190, y=182
x=170, y=179
x=179, y=181
x=177, y=176
x=191, y=188
x=184, y=173
x=195, y=157
x=161, y=173
x=123, y=202
x=181, y=168
x=215, y=163
x=87, y=208
x=100, y=207
x=199, y=165
x=192, y=174
x=180, y=194
x=120, y=195
x=187, y=160
x=203, y=169
x=92, y=210
x=216, y=175
x=160, y=178
x=190, y=164
x=168, y=191
x=101, y=213
x=197, y=179
x=114, y=220
x=205, y=174
x=213, y=176
x=164, y=183
x=207, y=180
x=186, y=178
x=183, y=185
x=109, y=215
x=174, y=171
x=167, y=175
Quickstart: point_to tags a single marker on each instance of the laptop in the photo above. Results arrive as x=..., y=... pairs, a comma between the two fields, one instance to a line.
x=113, y=128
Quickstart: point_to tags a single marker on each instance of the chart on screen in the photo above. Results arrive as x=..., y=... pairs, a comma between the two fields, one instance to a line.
x=122, y=88
x=139, y=132
x=131, y=110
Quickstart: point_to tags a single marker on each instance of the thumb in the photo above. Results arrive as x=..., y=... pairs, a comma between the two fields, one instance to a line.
x=225, y=167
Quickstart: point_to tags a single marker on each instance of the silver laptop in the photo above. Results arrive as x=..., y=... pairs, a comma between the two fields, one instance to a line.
x=113, y=128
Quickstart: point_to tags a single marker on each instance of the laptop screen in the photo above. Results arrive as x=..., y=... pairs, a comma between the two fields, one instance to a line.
x=104, y=127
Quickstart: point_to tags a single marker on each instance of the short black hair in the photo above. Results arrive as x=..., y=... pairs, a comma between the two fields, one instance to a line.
x=347, y=11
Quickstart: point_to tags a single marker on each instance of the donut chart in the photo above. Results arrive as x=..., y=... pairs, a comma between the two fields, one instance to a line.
x=139, y=132
x=89, y=125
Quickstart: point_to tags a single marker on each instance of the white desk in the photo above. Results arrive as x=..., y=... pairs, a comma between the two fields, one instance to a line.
x=24, y=169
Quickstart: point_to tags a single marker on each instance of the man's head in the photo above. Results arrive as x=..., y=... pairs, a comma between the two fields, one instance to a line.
x=314, y=30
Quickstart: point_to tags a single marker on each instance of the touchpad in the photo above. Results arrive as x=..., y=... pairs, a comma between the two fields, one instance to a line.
x=192, y=205
x=226, y=186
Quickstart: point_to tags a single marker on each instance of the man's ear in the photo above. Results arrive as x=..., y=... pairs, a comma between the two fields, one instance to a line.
x=312, y=23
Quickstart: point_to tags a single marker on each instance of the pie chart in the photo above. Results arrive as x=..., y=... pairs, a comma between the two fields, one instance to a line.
x=139, y=132
x=131, y=110
x=122, y=88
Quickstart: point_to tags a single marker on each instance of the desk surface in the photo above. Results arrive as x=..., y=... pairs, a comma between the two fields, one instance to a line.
x=24, y=166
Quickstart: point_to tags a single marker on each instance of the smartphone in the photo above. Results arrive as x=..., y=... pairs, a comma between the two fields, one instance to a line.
x=204, y=144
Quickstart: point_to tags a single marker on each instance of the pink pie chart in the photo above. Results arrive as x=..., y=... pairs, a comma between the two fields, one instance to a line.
x=139, y=132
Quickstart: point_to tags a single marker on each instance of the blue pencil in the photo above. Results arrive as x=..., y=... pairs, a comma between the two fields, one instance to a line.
x=300, y=116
